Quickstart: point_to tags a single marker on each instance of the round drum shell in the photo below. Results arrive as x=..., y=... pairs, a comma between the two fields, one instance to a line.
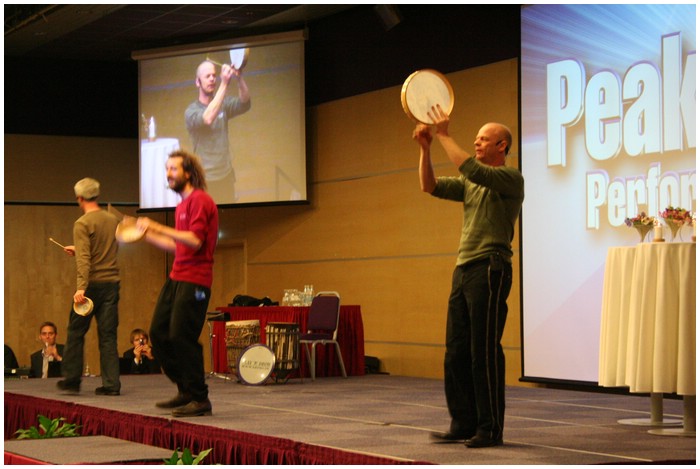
x=239, y=336
x=283, y=340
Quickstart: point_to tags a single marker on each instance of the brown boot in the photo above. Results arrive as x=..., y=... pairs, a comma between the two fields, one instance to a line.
x=177, y=401
x=193, y=409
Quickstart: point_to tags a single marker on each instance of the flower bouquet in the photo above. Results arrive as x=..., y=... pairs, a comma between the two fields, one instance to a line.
x=675, y=218
x=642, y=223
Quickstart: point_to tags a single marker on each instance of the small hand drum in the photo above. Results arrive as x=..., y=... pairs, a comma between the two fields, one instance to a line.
x=129, y=232
x=83, y=309
x=424, y=89
x=256, y=364
x=239, y=57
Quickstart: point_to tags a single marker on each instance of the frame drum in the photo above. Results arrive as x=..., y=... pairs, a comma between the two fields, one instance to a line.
x=83, y=309
x=256, y=364
x=423, y=89
x=128, y=232
x=239, y=57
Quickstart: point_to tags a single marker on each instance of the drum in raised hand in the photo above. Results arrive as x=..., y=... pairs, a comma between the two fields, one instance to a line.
x=256, y=363
x=240, y=335
x=239, y=57
x=424, y=89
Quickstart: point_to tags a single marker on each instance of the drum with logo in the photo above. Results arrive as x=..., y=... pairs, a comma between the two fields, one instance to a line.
x=283, y=339
x=256, y=364
x=240, y=335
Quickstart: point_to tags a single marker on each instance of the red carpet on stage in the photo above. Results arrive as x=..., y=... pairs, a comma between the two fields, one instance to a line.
x=370, y=419
x=230, y=446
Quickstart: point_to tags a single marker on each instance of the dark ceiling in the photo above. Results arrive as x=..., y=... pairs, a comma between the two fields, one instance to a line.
x=112, y=32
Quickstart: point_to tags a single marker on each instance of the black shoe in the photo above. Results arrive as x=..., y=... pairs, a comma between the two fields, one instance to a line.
x=449, y=437
x=479, y=441
x=193, y=409
x=177, y=401
x=65, y=385
x=102, y=391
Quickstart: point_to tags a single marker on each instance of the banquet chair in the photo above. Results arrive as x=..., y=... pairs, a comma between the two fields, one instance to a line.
x=322, y=328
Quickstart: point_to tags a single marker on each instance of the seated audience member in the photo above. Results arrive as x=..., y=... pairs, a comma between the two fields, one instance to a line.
x=10, y=358
x=46, y=363
x=141, y=355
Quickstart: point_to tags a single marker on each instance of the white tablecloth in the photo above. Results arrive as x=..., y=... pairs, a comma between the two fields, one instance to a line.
x=647, y=337
x=155, y=192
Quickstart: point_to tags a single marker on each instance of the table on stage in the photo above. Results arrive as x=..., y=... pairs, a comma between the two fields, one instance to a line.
x=154, y=183
x=647, y=339
x=351, y=337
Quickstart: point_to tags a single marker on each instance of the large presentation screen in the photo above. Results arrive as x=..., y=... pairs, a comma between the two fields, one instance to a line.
x=608, y=131
x=249, y=134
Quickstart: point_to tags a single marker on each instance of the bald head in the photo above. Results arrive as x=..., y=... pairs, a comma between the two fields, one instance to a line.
x=501, y=132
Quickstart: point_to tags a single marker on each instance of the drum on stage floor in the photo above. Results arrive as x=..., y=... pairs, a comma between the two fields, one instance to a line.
x=283, y=339
x=239, y=336
x=256, y=364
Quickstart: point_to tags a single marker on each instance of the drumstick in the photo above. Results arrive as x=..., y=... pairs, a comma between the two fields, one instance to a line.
x=57, y=243
x=214, y=62
x=218, y=64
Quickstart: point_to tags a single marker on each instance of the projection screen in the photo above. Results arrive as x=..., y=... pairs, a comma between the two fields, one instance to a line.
x=608, y=131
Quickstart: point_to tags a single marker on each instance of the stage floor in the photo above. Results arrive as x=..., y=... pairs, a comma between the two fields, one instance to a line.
x=392, y=416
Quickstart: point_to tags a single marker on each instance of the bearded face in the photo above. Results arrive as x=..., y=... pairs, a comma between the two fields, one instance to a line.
x=177, y=177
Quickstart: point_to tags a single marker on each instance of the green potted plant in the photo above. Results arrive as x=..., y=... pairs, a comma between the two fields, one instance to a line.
x=187, y=458
x=48, y=428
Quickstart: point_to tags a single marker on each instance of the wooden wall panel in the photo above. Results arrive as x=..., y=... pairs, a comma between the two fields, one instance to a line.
x=371, y=234
x=41, y=168
x=40, y=279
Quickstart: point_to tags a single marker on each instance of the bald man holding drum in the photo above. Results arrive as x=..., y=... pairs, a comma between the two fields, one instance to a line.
x=491, y=194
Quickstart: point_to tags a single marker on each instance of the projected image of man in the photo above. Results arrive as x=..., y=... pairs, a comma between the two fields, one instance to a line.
x=207, y=119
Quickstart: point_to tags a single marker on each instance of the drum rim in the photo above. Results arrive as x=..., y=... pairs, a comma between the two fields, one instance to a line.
x=407, y=82
x=272, y=368
x=244, y=322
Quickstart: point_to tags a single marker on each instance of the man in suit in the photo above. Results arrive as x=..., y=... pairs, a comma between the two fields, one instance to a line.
x=46, y=363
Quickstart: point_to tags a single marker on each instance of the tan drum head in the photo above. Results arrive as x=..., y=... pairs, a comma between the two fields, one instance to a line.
x=423, y=89
x=239, y=57
x=129, y=232
x=256, y=364
x=83, y=309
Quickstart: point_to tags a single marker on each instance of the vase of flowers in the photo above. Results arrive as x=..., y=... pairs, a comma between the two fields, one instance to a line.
x=675, y=218
x=642, y=223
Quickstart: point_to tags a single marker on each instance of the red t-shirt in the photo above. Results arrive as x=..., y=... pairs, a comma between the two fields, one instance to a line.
x=198, y=214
